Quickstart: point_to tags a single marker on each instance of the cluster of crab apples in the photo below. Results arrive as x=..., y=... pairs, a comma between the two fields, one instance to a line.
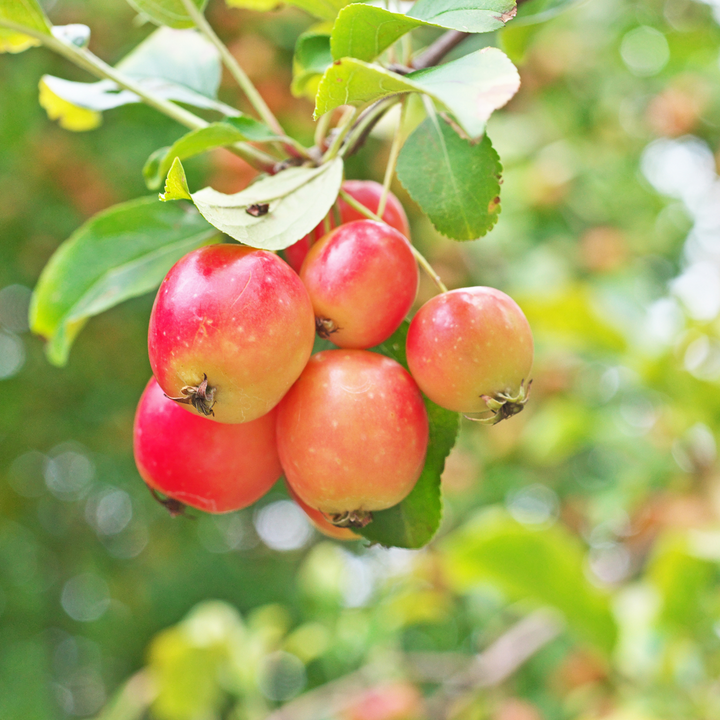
x=238, y=399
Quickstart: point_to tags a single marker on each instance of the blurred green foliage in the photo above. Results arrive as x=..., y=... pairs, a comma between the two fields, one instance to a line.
x=600, y=500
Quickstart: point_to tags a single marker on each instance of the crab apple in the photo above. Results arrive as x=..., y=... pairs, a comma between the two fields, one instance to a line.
x=471, y=350
x=367, y=193
x=352, y=434
x=320, y=522
x=362, y=279
x=210, y=466
x=230, y=331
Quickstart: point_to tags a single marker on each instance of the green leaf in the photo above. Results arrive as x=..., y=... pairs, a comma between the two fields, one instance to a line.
x=323, y=9
x=470, y=88
x=364, y=31
x=312, y=58
x=199, y=141
x=167, y=12
x=413, y=522
x=475, y=16
x=178, y=65
x=454, y=181
x=297, y=198
x=176, y=185
x=27, y=13
x=542, y=565
x=120, y=253
x=537, y=11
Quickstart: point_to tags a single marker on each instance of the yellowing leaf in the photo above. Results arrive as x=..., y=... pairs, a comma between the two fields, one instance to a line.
x=69, y=116
x=15, y=42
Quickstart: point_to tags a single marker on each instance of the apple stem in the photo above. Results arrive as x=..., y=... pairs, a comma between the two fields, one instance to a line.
x=351, y=518
x=201, y=397
x=503, y=406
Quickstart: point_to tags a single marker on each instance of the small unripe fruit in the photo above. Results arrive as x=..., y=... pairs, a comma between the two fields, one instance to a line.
x=210, y=466
x=471, y=350
x=230, y=332
x=367, y=193
x=362, y=279
x=352, y=434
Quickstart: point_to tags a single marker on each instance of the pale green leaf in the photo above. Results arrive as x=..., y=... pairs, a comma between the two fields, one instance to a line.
x=540, y=565
x=454, y=181
x=297, y=199
x=365, y=31
x=167, y=12
x=470, y=88
x=118, y=254
x=475, y=16
x=199, y=141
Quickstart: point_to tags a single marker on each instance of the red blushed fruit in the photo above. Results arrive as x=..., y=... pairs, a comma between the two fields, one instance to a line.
x=210, y=466
x=320, y=522
x=367, y=193
x=362, y=279
x=471, y=350
x=231, y=330
x=352, y=434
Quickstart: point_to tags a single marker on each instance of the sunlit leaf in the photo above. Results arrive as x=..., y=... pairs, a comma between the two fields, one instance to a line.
x=476, y=16
x=118, y=254
x=167, y=12
x=413, y=522
x=544, y=565
x=365, y=31
x=470, y=88
x=27, y=13
x=297, y=200
x=199, y=141
x=455, y=182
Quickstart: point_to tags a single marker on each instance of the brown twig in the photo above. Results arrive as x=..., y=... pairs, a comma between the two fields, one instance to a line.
x=439, y=49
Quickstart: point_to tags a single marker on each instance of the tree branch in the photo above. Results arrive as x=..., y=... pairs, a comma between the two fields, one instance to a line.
x=439, y=49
